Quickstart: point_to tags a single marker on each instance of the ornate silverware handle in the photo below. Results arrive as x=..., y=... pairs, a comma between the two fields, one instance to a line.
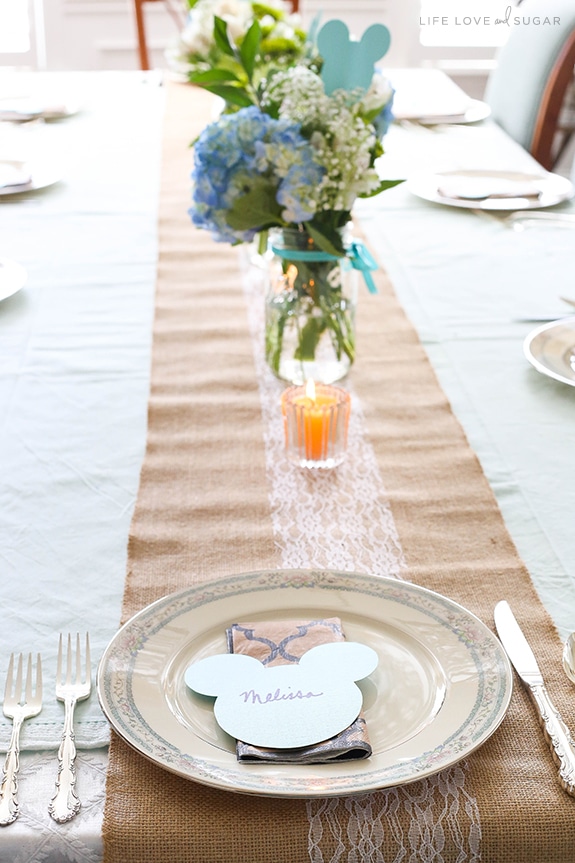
x=9, y=807
x=65, y=803
x=558, y=736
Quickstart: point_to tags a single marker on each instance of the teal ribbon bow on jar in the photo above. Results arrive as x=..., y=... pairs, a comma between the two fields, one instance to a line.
x=358, y=255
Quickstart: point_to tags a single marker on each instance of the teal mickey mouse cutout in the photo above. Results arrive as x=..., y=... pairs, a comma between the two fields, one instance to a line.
x=286, y=706
x=347, y=63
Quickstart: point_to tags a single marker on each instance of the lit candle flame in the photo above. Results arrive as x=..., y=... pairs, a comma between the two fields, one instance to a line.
x=291, y=276
x=310, y=389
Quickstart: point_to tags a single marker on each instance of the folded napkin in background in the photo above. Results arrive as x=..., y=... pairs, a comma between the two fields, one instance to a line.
x=479, y=188
x=431, y=97
x=20, y=108
x=283, y=643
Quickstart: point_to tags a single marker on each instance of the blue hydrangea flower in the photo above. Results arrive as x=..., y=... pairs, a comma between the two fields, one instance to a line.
x=229, y=154
x=384, y=119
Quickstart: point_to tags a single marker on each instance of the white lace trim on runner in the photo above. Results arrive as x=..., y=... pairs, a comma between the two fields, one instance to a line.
x=363, y=826
x=323, y=520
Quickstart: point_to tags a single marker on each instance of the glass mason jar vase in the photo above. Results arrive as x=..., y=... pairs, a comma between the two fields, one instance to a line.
x=310, y=310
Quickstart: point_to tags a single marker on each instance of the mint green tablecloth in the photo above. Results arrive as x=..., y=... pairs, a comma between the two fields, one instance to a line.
x=74, y=369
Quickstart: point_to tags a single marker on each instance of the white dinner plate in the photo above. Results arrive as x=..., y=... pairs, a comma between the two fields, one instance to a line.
x=35, y=176
x=12, y=277
x=551, y=350
x=475, y=111
x=441, y=688
x=492, y=190
x=32, y=107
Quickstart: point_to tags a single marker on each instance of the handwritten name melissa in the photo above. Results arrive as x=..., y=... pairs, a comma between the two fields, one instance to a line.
x=278, y=695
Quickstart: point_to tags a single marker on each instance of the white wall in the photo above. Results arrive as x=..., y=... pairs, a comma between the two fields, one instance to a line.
x=101, y=34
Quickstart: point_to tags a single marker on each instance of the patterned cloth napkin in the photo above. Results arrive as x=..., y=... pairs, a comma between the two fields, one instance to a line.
x=284, y=643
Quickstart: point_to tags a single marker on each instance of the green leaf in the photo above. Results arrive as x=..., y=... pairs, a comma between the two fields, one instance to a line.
x=233, y=95
x=256, y=208
x=250, y=48
x=274, y=340
x=385, y=184
x=370, y=116
x=326, y=238
x=278, y=45
x=262, y=242
x=221, y=36
x=262, y=10
x=212, y=76
x=309, y=339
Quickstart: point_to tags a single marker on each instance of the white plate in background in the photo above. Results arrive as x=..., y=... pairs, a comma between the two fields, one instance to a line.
x=492, y=190
x=31, y=107
x=13, y=276
x=551, y=350
x=33, y=175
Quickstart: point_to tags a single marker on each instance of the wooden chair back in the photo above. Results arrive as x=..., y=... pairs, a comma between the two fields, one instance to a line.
x=535, y=68
x=143, y=49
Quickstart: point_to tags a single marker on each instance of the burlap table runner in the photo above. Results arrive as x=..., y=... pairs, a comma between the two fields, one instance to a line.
x=203, y=511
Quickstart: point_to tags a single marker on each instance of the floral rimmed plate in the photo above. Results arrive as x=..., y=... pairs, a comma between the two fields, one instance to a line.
x=551, y=350
x=441, y=689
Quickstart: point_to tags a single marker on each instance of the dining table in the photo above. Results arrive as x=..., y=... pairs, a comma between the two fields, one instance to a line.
x=147, y=498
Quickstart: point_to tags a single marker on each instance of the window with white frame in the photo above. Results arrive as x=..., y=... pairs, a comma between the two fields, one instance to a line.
x=21, y=33
x=14, y=27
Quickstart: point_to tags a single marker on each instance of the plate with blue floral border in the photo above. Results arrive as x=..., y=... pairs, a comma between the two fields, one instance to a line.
x=441, y=689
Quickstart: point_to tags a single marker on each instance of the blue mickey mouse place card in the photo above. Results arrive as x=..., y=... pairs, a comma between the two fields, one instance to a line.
x=286, y=706
x=349, y=63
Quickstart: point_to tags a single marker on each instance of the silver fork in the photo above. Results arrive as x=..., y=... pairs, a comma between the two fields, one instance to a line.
x=65, y=803
x=19, y=704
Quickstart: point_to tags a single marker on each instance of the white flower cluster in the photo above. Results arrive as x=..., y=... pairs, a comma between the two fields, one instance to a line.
x=196, y=45
x=199, y=33
x=342, y=139
x=378, y=95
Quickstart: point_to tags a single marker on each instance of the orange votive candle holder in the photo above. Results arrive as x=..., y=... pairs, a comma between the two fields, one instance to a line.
x=316, y=421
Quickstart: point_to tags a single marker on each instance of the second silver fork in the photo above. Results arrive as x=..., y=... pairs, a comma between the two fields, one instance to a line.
x=65, y=803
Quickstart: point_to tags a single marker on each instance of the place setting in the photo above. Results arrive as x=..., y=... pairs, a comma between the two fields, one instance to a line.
x=433, y=682
x=433, y=100
x=26, y=97
x=21, y=176
x=27, y=159
x=488, y=189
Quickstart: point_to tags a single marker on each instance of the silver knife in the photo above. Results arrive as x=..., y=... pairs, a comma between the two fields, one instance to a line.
x=556, y=732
